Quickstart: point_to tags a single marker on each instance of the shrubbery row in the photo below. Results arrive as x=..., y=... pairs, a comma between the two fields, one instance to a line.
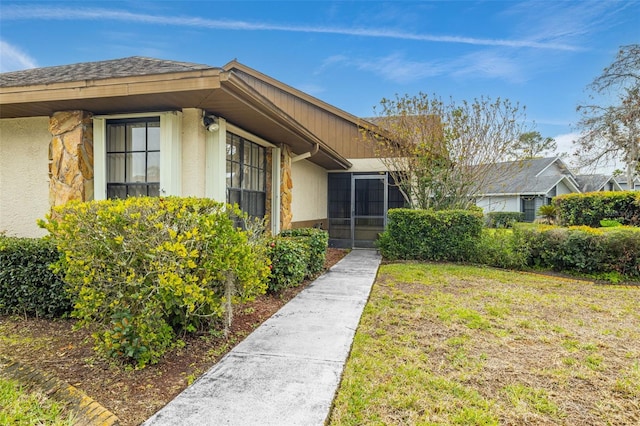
x=590, y=208
x=141, y=272
x=608, y=253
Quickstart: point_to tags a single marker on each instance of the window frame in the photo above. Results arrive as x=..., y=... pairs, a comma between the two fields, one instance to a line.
x=246, y=190
x=170, y=151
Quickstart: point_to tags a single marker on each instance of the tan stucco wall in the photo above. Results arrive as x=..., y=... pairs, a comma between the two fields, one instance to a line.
x=309, y=191
x=193, y=153
x=24, y=175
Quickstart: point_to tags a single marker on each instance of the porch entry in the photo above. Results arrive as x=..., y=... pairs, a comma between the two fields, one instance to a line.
x=358, y=205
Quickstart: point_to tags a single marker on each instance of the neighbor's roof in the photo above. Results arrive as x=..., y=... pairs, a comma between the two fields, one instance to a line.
x=125, y=67
x=531, y=176
x=594, y=182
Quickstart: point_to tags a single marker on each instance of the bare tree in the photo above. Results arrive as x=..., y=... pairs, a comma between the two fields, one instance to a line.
x=439, y=154
x=611, y=125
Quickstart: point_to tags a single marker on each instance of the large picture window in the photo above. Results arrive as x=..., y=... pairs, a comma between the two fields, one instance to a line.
x=246, y=175
x=133, y=157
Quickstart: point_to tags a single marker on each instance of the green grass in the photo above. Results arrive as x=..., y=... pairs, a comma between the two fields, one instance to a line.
x=444, y=344
x=20, y=407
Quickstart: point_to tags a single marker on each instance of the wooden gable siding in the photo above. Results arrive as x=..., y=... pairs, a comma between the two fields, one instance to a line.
x=335, y=131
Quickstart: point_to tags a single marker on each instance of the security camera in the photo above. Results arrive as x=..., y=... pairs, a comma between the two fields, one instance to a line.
x=210, y=123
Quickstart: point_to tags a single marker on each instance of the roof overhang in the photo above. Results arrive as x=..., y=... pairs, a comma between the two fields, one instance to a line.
x=214, y=90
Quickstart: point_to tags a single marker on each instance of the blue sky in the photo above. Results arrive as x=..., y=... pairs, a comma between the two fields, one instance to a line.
x=541, y=54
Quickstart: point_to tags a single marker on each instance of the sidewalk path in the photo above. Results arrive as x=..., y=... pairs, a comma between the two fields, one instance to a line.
x=287, y=371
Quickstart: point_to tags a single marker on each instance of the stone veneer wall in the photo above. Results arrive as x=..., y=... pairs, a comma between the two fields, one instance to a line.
x=71, y=157
x=286, y=185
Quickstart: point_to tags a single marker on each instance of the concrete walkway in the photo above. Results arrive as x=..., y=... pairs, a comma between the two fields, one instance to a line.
x=287, y=371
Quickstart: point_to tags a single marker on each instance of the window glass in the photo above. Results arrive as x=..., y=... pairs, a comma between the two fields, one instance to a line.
x=133, y=157
x=246, y=175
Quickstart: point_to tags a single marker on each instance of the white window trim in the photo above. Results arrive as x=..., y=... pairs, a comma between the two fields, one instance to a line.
x=170, y=151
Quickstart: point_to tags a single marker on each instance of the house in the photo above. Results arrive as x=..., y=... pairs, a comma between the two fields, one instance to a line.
x=525, y=185
x=597, y=182
x=145, y=126
x=622, y=182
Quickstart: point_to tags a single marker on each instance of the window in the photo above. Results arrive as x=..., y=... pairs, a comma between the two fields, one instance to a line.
x=246, y=175
x=133, y=157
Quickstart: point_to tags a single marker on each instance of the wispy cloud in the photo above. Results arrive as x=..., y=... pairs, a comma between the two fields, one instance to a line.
x=399, y=69
x=13, y=59
x=16, y=12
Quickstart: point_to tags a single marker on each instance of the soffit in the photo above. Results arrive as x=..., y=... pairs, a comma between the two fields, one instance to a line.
x=212, y=90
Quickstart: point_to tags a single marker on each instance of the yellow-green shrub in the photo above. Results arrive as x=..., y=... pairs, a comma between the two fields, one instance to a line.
x=146, y=269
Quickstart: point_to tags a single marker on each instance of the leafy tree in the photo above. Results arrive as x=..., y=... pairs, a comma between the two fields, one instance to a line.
x=611, y=124
x=533, y=145
x=439, y=154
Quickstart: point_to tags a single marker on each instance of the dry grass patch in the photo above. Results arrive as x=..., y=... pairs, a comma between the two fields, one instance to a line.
x=450, y=344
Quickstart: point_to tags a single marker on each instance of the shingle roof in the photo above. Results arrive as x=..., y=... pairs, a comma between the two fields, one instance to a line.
x=125, y=67
x=590, y=183
x=521, y=177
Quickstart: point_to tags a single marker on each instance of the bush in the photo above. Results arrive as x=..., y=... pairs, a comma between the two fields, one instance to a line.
x=143, y=270
x=591, y=251
x=27, y=284
x=316, y=242
x=503, y=219
x=288, y=262
x=501, y=248
x=431, y=235
x=590, y=208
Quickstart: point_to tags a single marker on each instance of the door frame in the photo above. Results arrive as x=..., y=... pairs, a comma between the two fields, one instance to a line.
x=385, y=182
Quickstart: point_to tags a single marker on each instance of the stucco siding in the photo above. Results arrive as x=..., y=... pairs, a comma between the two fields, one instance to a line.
x=193, y=153
x=499, y=204
x=309, y=194
x=24, y=175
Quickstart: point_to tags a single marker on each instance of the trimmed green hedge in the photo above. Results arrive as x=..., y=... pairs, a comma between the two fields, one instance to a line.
x=610, y=253
x=28, y=286
x=431, y=235
x=296, y=254
x=503, y=219
x=316, y=242
x=590, y=208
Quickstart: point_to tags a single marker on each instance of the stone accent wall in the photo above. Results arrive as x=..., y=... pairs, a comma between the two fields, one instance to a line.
x=286, y=185
x=70, y=157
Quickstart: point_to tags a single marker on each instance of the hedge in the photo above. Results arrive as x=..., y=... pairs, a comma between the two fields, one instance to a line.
x=316, y=242
x=431, y=235
x=611, y=253
x=296, y=254
x=28, y=286
x=590, y=208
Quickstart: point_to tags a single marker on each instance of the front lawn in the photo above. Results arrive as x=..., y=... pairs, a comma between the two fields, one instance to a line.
x=449, y=344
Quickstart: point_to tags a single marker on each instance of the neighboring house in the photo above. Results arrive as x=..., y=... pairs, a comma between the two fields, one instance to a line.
x=622, y=181
x=597, y=182
x=525, y=185
x=143, y=126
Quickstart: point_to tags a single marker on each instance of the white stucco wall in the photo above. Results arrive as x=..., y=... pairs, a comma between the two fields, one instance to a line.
x=499, y=204
x=24, y=175
x=309, y=193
